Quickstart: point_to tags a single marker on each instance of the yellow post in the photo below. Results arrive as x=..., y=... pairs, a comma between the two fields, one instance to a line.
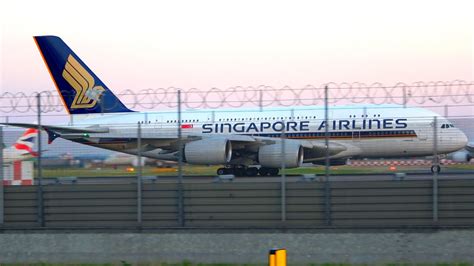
x=277, y=257
x=272, y=257
x=281, y=257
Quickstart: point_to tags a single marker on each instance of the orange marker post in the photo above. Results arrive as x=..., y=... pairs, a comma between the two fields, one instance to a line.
x=281, y=257
x=277, y=257
x=272, y=257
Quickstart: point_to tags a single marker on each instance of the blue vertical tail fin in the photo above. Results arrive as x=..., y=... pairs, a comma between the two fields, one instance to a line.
x=81, y=90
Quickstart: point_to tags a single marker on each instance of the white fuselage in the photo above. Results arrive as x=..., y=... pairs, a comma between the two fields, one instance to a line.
x=370, y=130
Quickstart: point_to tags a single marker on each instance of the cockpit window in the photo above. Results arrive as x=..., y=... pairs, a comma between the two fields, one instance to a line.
x=447, y=126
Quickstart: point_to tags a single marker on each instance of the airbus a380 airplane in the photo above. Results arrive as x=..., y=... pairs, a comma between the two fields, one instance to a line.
x=246, y=141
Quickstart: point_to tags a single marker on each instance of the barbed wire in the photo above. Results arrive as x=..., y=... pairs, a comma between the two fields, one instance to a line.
x=417, y=93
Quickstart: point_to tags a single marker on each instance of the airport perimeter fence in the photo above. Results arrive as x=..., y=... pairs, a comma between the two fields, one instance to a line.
x=260, y=205
x=178, y=201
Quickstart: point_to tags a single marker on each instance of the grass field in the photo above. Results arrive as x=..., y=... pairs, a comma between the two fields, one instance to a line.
x=211, y=170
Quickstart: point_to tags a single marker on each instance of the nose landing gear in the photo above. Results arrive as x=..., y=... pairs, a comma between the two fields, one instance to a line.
x=435, y=169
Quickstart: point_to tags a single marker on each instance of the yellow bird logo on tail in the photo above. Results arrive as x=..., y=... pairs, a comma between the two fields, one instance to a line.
x=87, y=95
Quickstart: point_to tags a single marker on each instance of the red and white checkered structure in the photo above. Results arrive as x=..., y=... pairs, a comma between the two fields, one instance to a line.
x=18, y=173
x=406, y=162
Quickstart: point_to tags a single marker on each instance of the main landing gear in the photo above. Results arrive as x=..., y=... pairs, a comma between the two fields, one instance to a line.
x=248, y=171
x=435, y=169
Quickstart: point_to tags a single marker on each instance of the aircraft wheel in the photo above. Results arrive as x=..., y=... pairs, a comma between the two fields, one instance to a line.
x=222, y=171
x=273, y=171
x=251, y=171
x=263, y=171
x=435, y=168
x=239, y=171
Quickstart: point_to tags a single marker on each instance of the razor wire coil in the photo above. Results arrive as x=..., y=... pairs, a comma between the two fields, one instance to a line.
x=417, y=93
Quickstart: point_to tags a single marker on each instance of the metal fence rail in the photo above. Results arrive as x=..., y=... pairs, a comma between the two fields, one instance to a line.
x=355, y=204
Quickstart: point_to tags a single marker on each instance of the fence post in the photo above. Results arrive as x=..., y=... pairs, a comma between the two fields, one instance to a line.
x=180, y=166
x=435, y=172
x=139, y=174
x=283, y=174
x=2, y=192
x=327, y=184
x=404, y=96
x=40, y=211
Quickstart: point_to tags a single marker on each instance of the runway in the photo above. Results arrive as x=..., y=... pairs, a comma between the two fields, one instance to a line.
x=395, y=176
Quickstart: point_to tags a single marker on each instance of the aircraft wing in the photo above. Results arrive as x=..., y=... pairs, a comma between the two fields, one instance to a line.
x=56, y=131
x=314, y=150
x=77, y=131
x=62, y=129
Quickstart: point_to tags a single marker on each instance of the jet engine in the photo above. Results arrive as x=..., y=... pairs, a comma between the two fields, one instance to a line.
x=272, y=155
x=208, y=151
x=461, y=156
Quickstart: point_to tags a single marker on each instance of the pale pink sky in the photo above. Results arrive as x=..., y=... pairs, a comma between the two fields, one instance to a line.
x=204, y=44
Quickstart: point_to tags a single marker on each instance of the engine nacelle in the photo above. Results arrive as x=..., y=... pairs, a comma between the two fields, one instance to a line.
x=271, y=155
x=461, y=156
x=208, y=151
